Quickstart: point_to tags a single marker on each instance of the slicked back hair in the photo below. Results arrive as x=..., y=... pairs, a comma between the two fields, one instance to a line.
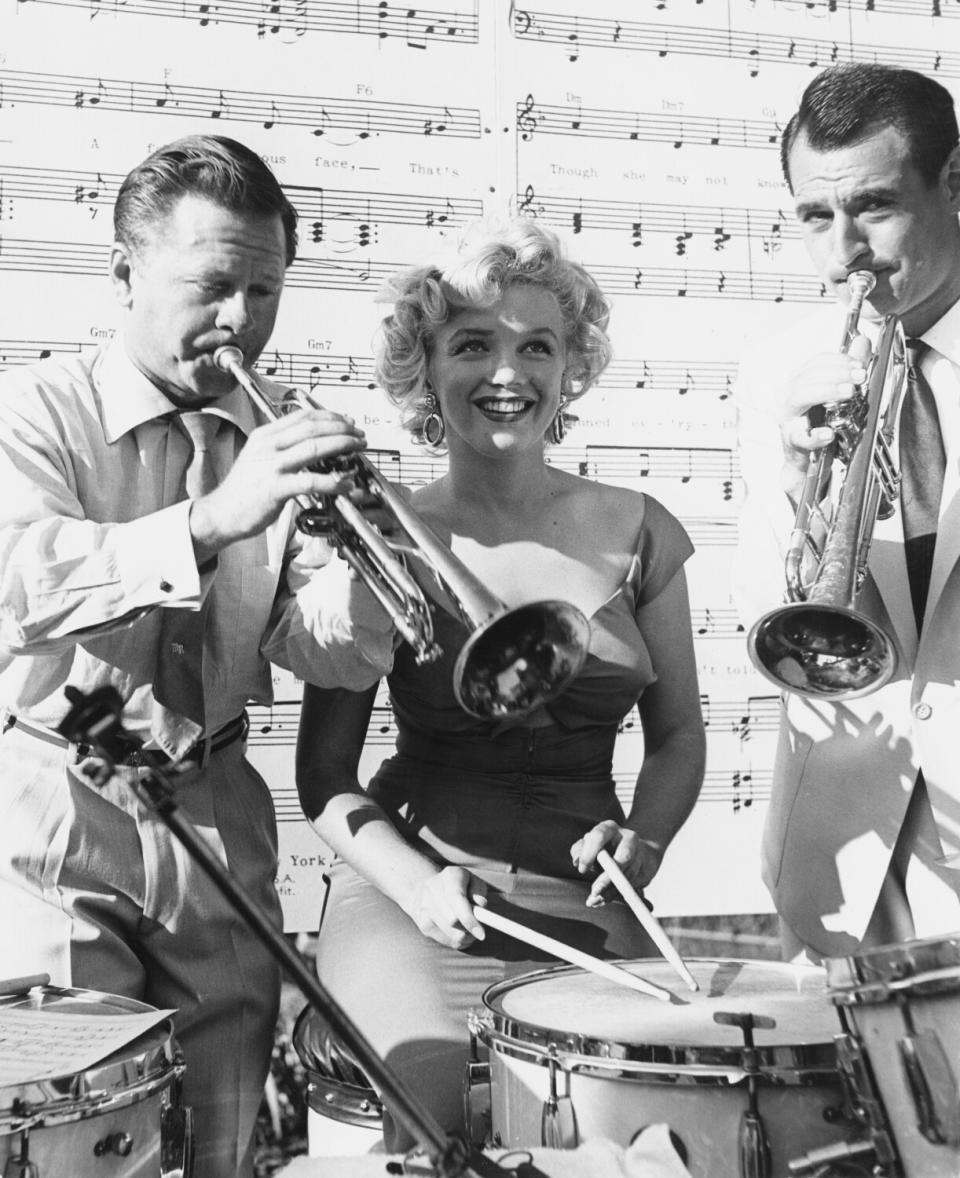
x=213, y=167
x=849, y=103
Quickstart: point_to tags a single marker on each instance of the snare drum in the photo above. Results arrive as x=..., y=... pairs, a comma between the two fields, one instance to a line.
x=743, y=1071
x=900, y=1005
x=121, y=1118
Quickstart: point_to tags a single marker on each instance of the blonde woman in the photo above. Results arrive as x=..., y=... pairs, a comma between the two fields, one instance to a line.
x=483, y=359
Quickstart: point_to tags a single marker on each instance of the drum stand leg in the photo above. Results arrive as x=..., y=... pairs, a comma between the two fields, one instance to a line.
x=95, y=719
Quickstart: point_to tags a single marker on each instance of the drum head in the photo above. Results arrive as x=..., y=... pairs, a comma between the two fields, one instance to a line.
x=151, y=1055
x=583, y=1013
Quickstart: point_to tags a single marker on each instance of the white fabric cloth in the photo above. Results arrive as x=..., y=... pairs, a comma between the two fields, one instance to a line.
x=650, y=1156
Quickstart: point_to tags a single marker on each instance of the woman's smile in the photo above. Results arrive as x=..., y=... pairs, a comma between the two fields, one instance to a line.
x=504, y=409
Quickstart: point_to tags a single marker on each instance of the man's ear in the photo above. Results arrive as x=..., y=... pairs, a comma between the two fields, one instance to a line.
x=121, y=274
x=951, y=178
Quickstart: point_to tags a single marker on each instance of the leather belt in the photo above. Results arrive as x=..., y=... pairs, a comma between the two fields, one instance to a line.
x=199, y=753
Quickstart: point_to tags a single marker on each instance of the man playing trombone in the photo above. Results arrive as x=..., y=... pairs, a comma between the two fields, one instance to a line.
x=147, y=542
x=865, y=813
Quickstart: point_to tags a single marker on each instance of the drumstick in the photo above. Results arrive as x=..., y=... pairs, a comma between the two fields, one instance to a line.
x=645, y=916
x=592, y=964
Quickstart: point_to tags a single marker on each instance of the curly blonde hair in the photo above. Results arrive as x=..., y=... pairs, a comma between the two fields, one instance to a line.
x=491, y=257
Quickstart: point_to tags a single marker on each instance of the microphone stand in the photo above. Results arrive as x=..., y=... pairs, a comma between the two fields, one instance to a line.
x=95, y=719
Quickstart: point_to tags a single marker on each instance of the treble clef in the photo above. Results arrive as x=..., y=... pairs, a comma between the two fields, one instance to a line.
x=528, y=199
x=526, y=119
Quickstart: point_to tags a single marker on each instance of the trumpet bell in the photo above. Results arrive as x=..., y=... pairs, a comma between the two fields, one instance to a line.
x=520, y=659
x=822, y=651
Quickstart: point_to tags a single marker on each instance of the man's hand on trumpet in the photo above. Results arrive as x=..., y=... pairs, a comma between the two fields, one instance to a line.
x=827, y=378
x=279, y=461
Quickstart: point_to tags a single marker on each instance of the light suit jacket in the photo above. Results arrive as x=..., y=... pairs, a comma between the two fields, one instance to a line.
x=844, y=773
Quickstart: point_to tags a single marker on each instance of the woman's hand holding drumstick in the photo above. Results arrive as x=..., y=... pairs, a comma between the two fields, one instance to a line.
x=645, y=916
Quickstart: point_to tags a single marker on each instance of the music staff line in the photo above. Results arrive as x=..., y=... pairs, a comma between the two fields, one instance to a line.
x=277, y=724
x=756, y=49
x=712, y=379
x=81, y=258
x=930, y=8
x=636, y=219
x=324, y=212
x=737, y=788
x=415, y=27
x=320, y=206
x=361, y=117
x=317, y=205
x=679, y=131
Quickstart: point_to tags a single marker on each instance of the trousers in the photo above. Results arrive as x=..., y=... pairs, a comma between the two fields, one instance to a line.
x=98, y=893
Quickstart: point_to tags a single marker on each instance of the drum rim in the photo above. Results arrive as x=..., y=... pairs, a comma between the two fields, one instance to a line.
x=147, y=1064
x=792, y=1062
x=926, y=965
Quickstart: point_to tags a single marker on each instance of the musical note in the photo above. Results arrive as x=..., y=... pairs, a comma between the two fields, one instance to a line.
x=681, y=240
x=351, y=371
x=220, y=107
x=574, y=39
x=319, y=114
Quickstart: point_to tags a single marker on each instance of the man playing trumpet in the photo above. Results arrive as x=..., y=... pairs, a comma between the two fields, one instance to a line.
x=146, y=543
x=864, y=814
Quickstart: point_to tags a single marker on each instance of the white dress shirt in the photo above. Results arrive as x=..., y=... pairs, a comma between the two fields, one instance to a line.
x=93, y=543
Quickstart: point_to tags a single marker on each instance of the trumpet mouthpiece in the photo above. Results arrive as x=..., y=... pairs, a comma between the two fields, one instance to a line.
x=227, y=357
x=861, y=282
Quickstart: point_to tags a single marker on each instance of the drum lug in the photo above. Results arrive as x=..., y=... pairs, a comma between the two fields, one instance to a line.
x=752, y=1140
x=176, y=1142
x=21, y=1167
x=933, y=1087
x=753, y=1146
x=477, y=1097
x=865, y=1102
x=558, y=1121
x=476, y=1104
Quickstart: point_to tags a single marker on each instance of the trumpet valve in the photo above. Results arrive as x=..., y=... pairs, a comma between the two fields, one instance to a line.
x=318, y=520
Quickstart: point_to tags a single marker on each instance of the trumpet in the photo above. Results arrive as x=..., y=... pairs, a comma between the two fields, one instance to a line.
x=514, y=660
x=819, y=645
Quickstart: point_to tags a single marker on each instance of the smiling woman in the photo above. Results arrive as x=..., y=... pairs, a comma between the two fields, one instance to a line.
x=482, y=358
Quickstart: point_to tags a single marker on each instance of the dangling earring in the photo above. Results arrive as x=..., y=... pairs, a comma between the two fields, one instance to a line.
x=434, y=429
x=560, y=424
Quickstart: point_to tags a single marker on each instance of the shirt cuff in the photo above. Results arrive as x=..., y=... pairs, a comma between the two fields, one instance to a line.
x=156, y=562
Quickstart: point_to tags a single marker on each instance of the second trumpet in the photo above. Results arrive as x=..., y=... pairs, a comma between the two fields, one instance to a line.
x=513, y=661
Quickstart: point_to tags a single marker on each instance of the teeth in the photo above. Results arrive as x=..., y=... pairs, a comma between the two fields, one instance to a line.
x=499, y=405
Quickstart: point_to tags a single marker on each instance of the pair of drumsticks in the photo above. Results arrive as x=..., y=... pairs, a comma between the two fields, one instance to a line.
x=605, y=969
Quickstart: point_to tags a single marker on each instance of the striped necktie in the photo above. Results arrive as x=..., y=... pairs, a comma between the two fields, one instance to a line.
x=178, y=680
x=922, y=466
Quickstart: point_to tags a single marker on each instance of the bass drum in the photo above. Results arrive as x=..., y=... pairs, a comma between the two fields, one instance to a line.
x=120, y=1118
x=900, y=1005
x=743, y=1071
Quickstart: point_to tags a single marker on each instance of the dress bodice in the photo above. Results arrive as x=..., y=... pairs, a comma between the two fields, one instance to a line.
x=617, y=668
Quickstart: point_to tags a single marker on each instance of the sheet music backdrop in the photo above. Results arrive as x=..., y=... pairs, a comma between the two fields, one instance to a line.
x=646, y=133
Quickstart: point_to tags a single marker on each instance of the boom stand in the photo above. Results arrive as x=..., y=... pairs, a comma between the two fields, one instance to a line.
x=95, y=718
